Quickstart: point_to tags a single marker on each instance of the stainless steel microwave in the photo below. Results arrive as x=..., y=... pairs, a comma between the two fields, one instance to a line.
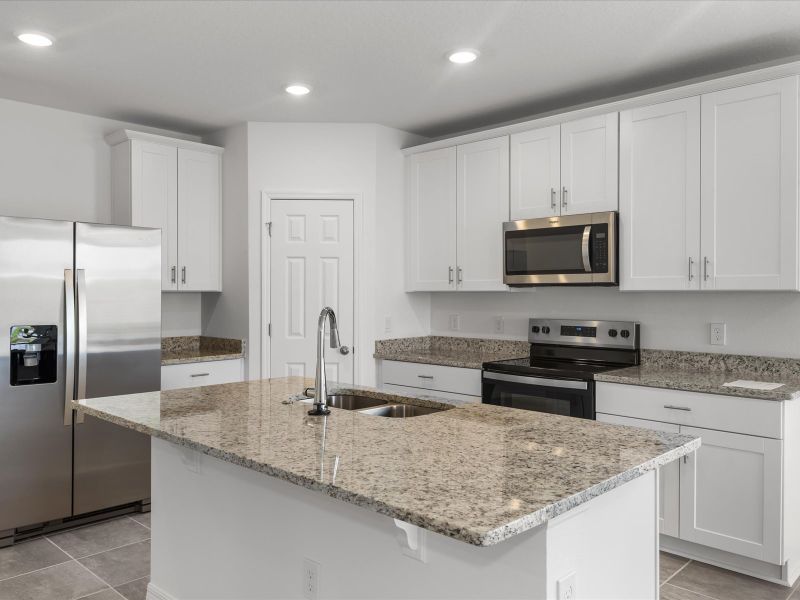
x=565, y=250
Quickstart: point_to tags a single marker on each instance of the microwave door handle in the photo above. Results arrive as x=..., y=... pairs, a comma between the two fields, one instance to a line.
x=587, y=234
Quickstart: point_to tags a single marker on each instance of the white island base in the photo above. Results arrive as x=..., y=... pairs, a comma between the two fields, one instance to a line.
x=221, y=531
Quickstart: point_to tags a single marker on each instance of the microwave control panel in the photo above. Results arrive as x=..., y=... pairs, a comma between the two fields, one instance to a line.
x=599, y=243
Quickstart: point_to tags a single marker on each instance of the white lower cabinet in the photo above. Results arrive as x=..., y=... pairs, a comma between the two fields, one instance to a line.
x=668, y=475
x=448, y=382
x=190, y=375
x=731, y=494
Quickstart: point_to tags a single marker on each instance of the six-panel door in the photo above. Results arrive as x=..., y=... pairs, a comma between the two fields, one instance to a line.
x=749, y=187
x=731, y=494
x=431, y=233
x=482, y=208
x=659, y=196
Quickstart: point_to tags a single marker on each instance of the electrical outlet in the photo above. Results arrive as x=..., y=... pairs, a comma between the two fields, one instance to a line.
x=310, y=579
x=387, y=324
x=717, y=334
x=455, y=322
x=499, y=324
x=565, y=587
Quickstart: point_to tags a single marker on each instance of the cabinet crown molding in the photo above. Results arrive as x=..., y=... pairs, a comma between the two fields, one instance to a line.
x=124, y=135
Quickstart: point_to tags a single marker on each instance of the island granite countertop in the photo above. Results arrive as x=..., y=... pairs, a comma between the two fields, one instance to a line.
x=706, y=372
x=477, y=473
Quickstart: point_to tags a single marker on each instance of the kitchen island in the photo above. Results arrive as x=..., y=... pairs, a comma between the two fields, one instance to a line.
x=254, y=498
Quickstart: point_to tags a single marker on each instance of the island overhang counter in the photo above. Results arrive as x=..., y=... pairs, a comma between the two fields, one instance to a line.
x=476, y=501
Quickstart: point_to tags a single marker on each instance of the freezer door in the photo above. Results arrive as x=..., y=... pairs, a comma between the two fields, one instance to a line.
x=35, y=445
x=118, y=296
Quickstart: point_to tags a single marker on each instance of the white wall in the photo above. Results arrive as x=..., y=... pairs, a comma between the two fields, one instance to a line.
x=322, y=158
x=55, y=164
x=766, y=323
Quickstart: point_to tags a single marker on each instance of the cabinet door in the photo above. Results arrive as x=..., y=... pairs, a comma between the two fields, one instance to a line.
x=154, y=200
x=659, y=196
x=731, y=494
x=431, y=221
x=749, y=187
x=668, y=475
x=536, y=173
x=482, y=209
x=589, y=165
x=199, y=221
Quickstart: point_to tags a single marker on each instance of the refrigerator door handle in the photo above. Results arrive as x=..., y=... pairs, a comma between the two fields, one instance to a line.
x=69, y=344
x=82, y=334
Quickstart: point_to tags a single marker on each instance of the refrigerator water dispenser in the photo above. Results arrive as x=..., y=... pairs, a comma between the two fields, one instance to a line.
x=34, y=354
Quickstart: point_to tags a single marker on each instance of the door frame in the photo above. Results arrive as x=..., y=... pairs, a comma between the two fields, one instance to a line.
x=358, y=343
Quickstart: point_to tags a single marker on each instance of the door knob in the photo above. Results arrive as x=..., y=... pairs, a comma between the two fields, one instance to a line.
x=344, y=350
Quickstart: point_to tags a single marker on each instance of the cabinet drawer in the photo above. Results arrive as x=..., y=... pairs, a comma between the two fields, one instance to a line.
x=724, y=413
x=201, y=373
x=432, y=377
x=404, y=389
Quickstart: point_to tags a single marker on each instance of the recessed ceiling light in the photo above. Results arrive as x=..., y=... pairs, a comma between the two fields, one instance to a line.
x=35, y=39
x=298, y=89
x=462, y=57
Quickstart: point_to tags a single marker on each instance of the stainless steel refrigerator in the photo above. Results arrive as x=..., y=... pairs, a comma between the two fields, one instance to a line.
x=80, y=317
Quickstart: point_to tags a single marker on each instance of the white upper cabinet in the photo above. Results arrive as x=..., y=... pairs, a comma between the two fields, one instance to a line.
x=536, y=173
x=749, y=187
x=199, y=220
x=431, y=227
x=659, y=196
x=482, y=207
x=174, y=185
x=589, y=165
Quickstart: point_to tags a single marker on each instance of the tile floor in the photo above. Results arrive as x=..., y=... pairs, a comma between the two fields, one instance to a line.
x=111, y=561
x=104, y=561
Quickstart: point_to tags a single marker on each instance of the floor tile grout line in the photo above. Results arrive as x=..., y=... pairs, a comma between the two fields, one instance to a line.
x=132, y=580
x=688, y=562
x=147, y=539
x=701, y=594
x=70, y=559
x=138, y=523
x=92, y=573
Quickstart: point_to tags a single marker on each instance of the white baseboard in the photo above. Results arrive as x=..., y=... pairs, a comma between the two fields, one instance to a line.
x=154, y=593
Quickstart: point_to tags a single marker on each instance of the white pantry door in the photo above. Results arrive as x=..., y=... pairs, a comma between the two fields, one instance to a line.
x=311, y=266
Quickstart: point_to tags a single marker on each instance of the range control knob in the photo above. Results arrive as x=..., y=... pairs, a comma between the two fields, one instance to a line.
x=612, y=333
x=625, y=333
x=545, y=329
x=535, y=329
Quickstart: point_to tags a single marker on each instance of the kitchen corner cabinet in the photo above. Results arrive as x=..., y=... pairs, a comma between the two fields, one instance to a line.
x=565, y=169
x=174, y=185
x=708, y=191
x=457, y=201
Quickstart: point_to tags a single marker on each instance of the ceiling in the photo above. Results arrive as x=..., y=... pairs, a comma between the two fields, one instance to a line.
x=200, y=66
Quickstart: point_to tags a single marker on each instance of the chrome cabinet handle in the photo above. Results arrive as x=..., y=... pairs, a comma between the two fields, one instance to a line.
x=564, y=197
x=344, y=350
x=183, y=274
x=199, y=374
x=705, y=268
x=173, y=275
x=684, y=408
x=69, y=343
x=425, y=376
x=553, y=198
x=459, y=275
x=691, y=263
x=83, y=333
x=450, y=275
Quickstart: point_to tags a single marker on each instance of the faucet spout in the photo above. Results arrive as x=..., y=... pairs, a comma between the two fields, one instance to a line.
x=321, y=382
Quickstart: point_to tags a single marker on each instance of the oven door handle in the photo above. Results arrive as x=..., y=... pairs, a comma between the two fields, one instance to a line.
x=587, y=234
x=558, y=383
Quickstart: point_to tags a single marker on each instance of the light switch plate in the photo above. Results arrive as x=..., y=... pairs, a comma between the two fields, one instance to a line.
x=455, y=322
x=499, y=324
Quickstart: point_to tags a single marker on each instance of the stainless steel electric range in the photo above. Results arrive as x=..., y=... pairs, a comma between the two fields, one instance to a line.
x=558, y=375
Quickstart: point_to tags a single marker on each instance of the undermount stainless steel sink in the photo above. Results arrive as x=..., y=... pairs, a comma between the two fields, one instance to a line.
x=351, y=401
x=399, y=411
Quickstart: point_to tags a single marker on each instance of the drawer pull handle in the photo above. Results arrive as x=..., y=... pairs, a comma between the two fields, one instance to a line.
x=686, y=408
x=199, y=374
x=425, y=376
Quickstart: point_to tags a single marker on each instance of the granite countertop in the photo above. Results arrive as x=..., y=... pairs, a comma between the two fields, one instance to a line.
x=706, y=372
x=469, y=353
x=199, y=348
x=477, y=473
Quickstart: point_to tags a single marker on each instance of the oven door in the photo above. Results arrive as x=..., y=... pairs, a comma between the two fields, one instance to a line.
x=573, y=249
x=568, y=397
